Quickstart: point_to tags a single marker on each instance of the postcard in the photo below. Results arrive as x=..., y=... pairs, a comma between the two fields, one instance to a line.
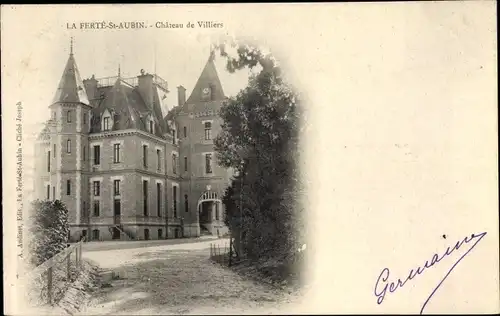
x=307, y=158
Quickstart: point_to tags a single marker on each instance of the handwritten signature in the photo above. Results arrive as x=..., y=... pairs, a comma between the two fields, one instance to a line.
x=381, y=290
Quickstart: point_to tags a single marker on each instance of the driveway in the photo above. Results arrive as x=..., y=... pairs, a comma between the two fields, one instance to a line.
x=179, y=279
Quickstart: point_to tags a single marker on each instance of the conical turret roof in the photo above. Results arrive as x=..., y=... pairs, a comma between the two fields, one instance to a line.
x=208, y=79
x=71, y=88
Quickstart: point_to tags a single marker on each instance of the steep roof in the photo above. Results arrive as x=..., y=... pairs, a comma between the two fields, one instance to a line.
x=208, y=78
x=127, y=107
x=71, y=87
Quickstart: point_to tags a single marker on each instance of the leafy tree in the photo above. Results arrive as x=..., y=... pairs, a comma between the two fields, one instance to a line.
x=261, y=129
x=49, y=229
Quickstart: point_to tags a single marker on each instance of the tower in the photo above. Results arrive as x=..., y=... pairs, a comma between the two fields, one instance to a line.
x=68, y=149
x=203, y=181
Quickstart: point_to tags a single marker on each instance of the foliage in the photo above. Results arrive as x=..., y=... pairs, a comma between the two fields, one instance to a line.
x=49, y=229
x=261, y=129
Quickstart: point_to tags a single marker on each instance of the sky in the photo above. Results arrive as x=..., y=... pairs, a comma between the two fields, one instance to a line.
x=178, y=60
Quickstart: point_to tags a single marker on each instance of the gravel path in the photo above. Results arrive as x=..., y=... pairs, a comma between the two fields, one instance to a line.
x=179, y=279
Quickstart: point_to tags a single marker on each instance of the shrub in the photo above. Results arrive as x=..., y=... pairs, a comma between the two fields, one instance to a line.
x=49, y=230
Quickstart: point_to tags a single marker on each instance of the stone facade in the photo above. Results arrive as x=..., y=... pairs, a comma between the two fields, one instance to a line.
x=116, y=162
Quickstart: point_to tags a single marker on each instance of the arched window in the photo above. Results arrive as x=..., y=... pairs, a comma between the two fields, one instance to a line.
x=186, y=203
x=68, y=116
x=68, y=146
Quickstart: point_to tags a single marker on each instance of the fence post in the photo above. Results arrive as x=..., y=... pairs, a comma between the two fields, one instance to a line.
x=80, y=250
x=225, y=251
x=230, y=250
x=77, y=261
x=49, y=285
x=68, y=263
x=218, y=246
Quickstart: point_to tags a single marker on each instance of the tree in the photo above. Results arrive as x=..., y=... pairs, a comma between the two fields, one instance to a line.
x=49, y=229
x=261, y=128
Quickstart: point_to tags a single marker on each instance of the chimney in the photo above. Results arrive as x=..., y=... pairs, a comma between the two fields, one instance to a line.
x=181, y=95
x=91, y=87
x=145, y=86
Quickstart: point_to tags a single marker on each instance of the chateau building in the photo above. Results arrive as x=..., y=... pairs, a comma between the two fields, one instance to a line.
x=124, y=169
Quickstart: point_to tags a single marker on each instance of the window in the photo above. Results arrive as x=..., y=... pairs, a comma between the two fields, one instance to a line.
x=185, y=163
x=158, y=159
x=173, y=136
x=158, y=199
x=95, y=234
x=216, y=211
x=208, y=131
x=97, y=155
x=151, y=127
x=48, y=191
x=105, y=123
x=116, y=153
x=174, y=195
x=96, y=208
x=97, y=188
x=186, y=203
x=116, y=187
x=68, y=116
x=54, y=151
x=84, y=209
x=160, y=233
x=48, y=161
x=84, y=153
x=208, y=163
x=145, y=196
x=84, y=118
x=145, y=155
x=185, y=131
x=53, y=115
x=212, y=90
x=68, y=187
x=174, y=164
x=53, y=193
x=68, y=146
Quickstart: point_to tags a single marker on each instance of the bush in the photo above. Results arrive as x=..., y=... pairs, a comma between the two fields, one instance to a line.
x=49, y=230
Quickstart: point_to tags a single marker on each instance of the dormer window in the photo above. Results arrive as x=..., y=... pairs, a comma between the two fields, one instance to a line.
x=107, y=121
x=212, y=90
x=151, y=126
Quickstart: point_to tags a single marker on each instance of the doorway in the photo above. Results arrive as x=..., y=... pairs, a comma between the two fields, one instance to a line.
x=146, y=234
x=117, y=207
x=116, y=233
x=206, y=212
